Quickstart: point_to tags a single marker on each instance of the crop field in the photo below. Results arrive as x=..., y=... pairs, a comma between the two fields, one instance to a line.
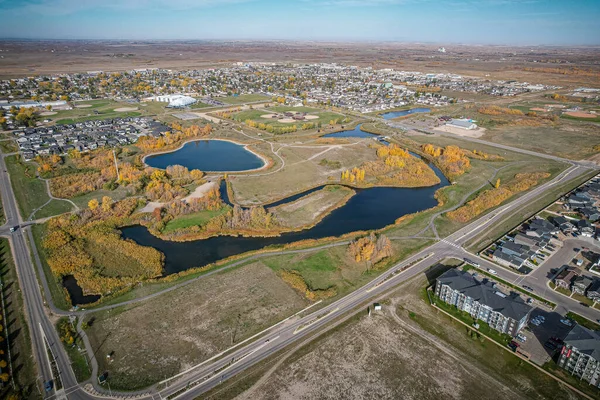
x=308, y=209
x=244, y=98
x=211, y=315
x=409, y=350
x=302, y=171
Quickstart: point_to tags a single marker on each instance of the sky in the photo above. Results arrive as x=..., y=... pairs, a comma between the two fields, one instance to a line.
x=512, y=22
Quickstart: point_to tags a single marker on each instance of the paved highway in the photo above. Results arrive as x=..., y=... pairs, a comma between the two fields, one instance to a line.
x=204, y=377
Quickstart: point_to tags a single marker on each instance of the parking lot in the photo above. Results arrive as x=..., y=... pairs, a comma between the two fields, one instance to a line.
x=538, y=335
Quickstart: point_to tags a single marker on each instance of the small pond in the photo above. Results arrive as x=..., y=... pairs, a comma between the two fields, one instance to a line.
x=208, y=155
x=396, y=114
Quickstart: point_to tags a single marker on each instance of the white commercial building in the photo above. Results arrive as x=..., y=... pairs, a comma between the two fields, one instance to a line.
x=463, y=123
x=175, y=100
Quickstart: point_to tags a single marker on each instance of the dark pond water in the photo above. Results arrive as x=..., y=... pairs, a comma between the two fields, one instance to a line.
x=208, y=155
x=396, y=114
x=368, y=209
x=356, y=132
x=76, y=293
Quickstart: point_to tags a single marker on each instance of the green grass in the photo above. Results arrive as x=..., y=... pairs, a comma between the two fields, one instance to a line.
x=283, y=109
x=199, y=104
x=255, y=115
x=77, y=355
x=30, y=192
x=108, y=115
x=8, y=146
x=196, y=219
x=55, y=207
x=586, y=323
x=565, y=116
x=243, y=98
x=55, y=284
x=317, y=269
x=23, y=362
x=118, y=194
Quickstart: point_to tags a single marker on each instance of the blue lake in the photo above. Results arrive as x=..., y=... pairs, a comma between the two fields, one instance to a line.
x=396, y=114
x=208, y=155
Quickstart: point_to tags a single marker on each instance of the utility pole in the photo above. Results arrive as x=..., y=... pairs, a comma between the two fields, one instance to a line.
x=116, y=165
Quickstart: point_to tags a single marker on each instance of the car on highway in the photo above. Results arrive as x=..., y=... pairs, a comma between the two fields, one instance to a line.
x=13, y=228
x=584, y=304
x=48, y=386
x=469, y=261
x=491, y=271
x=528, y=288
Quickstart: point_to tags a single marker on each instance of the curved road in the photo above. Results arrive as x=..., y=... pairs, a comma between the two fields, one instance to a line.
x=210, y=374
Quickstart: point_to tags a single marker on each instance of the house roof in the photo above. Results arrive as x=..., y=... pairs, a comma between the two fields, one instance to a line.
x=585, y=340
x=511, y=305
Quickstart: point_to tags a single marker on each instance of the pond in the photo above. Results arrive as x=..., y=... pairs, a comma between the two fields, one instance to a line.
x=209, y=155
x=396, y=114
x=368, y=209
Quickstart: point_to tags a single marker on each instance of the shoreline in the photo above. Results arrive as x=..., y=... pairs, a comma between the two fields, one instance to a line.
x=264, y=159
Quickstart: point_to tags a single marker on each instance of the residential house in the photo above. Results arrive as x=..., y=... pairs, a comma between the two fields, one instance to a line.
x=580, y=355
x=581, y=284
x=593, y=292
x=564, y=224
x=565, y=277
x=506, y=313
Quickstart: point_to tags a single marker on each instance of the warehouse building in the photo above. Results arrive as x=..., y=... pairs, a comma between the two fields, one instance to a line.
x=175, y=100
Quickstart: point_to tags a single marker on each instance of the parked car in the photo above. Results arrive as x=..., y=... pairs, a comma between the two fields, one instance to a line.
x=521, y=338
x=550, y=345
x=566, y=322
x=584, y=304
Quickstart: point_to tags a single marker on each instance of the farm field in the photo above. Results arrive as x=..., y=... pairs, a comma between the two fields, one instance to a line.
x=409, y=350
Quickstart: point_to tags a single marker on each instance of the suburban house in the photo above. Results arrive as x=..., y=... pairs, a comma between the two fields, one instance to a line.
x=565, y=278
x=585, y=228
x=580, y=355
x=593, y=292
x=581, y=284
x=564, y=224
x=506, y=313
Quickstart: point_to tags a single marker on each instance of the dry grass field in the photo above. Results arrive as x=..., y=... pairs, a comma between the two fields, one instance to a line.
x=302, y=171
x=163, y=336
x=407, y=351
x=310, y=208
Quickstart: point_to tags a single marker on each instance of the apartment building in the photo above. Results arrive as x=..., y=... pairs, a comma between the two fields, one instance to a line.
x=580, y=355
x=506, y=313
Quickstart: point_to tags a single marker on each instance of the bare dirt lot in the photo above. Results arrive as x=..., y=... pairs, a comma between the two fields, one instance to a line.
x=407, y=351
x=166, y=335
x=474, y=133
x=27, y=58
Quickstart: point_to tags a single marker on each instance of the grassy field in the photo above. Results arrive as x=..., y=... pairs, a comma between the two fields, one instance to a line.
x=199, y=218
x=97, y=110
x=8, y=146
x=56, y=289
x=55, y=207
x=118, y=194
x=409, y=350
x=243, y=98
x=18, y=330
x=256, y=115
x=310, y=208
x=211, y=315
x=30, y=192
x=76, y=352
x=300, y=172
